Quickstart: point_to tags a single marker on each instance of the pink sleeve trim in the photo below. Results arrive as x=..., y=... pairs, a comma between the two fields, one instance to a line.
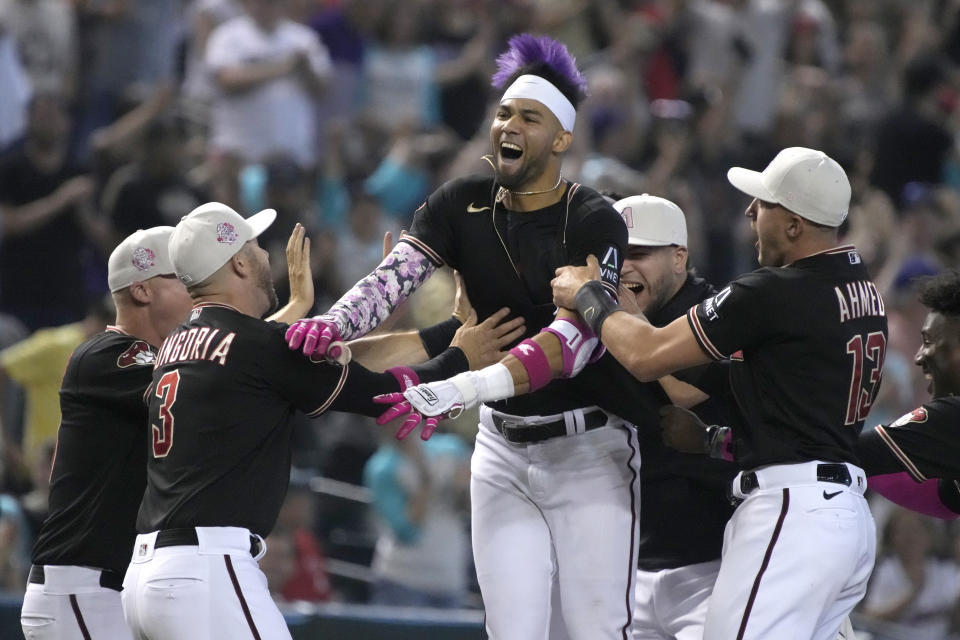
x=922, y=497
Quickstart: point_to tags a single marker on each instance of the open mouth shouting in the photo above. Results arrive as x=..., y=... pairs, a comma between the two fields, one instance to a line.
x=510, y=151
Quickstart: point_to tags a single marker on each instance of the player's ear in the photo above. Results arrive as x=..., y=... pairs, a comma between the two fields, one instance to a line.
x=239, y=262
x=795, y=226
x=140, y=292
x=562, y=141
x=679, y=259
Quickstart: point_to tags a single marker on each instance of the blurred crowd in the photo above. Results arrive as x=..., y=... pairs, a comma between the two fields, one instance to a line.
x=343, y=114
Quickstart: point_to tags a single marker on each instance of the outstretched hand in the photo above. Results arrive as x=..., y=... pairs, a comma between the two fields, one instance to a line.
x=299, y=271
x=569, y=280
x=430, y=403
x=484, y=343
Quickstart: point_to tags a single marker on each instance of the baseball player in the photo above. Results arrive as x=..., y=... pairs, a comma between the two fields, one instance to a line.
x=683, y=503
x=99, y=474
x=914, y=460
x=224, y=386
x=809, y=332
x=99, y=471
x=554, y=474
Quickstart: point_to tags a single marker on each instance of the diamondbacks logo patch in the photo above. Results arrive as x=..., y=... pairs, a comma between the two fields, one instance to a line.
x=137, y=353
x=917, y=415
x=143, y=258
x=226, y=233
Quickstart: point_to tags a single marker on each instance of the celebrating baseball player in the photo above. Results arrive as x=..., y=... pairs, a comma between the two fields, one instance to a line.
x=809, y=332
x=683, y=503
x=554, y=474
x=99, y=471
x=914, y=460
x=224, y=386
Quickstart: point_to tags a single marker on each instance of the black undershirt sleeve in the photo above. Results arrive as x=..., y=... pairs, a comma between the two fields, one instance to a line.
x=362, y=384
x=438, y=337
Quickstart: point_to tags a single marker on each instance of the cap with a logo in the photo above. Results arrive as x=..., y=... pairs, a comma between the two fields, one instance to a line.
x=652, y=221
x=141, y=256
x=210, y=235
x=806, y=181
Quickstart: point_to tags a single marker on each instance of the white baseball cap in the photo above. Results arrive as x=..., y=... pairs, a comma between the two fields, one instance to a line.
x=652, y=221
x=141, y=256
x=208, y=236
x=806, y=181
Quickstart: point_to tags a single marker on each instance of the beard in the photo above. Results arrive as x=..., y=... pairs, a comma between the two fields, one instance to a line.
x=265, y=284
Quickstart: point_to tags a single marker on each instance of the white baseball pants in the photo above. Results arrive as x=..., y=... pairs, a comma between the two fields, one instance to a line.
x=565, y=508
x=797, y=555
x=71, y=605
x=672, y=603
x=213, y=591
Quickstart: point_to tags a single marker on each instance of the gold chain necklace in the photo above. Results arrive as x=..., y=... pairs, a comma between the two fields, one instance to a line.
x=504, y=191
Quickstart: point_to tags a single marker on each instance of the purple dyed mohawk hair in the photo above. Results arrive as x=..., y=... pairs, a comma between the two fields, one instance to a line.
x=526, y=49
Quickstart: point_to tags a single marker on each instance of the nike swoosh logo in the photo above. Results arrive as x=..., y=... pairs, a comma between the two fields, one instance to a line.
x=827, y=496
x=471, y=208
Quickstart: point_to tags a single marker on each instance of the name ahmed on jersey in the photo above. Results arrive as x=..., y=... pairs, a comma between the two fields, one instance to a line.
x=859, y=299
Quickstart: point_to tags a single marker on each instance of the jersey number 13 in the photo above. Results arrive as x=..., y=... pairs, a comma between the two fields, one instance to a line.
x=867, y=352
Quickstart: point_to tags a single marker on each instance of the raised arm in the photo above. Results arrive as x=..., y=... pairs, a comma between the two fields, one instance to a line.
x=364, y=306
x=300, y=276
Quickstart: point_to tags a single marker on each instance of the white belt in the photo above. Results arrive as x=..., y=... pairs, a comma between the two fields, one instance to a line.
x=791, y=475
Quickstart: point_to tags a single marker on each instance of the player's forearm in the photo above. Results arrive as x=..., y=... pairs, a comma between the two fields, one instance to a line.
x=380, y=352
x=375, y=297
x=647, y=352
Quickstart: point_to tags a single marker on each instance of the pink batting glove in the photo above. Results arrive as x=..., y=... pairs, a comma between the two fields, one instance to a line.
x=400, y=407
x=318, y=335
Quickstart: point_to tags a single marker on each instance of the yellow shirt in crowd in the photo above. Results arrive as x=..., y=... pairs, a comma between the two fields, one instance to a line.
x=37, y=364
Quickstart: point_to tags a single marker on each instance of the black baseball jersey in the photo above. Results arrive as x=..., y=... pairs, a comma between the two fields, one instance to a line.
x=224, y=388
x=925, y=443
x=683, y=503
x=99, y=471
x=807, y=342
x=508, y=258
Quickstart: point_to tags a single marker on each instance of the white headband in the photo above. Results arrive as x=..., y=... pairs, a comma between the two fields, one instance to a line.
x=536, y=88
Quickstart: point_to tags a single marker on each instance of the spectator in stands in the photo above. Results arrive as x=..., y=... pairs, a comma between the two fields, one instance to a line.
x=15, y=88
x=420, y=492
x=46, y=39
x=913, y=144
x=269, y=72
x=48, y=228
x=911, y=587
x=15, y=541
x=299, y=569
x=153, y=190
x=37, y=364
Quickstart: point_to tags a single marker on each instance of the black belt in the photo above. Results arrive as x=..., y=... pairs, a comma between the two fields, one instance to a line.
x=187, y=537
x=108, y=579
x=537, y=432
x=826, y=472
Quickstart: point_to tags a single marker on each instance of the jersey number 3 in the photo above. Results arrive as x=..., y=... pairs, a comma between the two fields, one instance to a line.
x=167, y=392
x=867, y=352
